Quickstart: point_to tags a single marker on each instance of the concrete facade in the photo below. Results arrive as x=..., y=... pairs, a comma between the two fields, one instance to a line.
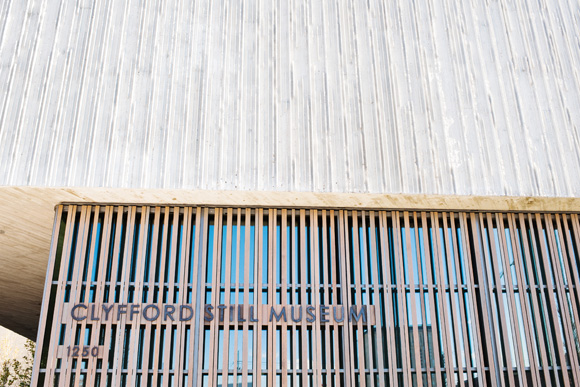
x=478, y=98
x=118, y=98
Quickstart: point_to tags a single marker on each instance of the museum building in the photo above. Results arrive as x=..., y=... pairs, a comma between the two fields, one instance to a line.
x=181, y=295
x=293, y=193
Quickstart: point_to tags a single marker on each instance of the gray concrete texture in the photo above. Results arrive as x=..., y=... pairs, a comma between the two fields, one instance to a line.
x=435, y=97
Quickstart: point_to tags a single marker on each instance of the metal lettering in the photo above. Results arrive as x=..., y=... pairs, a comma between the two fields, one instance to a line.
x=354, y=316
x=240, y=314
x=168, y=311
x=133, y=311
x=93, y=317
x=341, y=314
x=181, y=309
x=184, y=313
x=323, y=312
x=72, y=312
x=208, y=315
x=151, y=307
x=299, y=317
x=221, y=312
x=252, y=319
x=278, y=316
x=107, y=311
x=122, y=309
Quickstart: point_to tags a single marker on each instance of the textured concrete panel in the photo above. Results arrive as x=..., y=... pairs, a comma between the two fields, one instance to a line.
x=437, y=97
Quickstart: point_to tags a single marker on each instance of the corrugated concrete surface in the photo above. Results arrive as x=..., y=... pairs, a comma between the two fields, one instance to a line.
x=435, y=97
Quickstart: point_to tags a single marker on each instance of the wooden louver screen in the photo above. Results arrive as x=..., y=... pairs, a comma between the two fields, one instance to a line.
x=458, y=298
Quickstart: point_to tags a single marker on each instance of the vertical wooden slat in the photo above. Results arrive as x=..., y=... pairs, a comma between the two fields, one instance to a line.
x=462, y=311
x=186, y=263
x=105, y=246
x=157, y=350
x=442, y=290
x=91, y=361
x=171, y=257
x=51, y=361
x=272, y=259
x=283, y=295
x=59, y=318
x=357, y=300
x=414, y=321
x=51, y=268
x=304, y=335
x=75, y=292
x=123, y=296
x=88, y=260
x=334, y=259
x=246, y=349
x=294, y=290
x=388, y=299
x=258, y=297
x=315, y=291
x=237, y=285
x=326, y=288
x=421, y=281
x=177, y=291
x=109, y=340
x=345, y=291
x=200, y=320
x=100, y=283
x=402, y=299
x=431, y=277
x=151, y=290
x=179, y=288
x=138, y=294
x=367, y=290
x=199, y=254
x=77, y=254
x=466, y=252
x=227, y=282
x=375, y=274
x=116, y=271
x=216, y=281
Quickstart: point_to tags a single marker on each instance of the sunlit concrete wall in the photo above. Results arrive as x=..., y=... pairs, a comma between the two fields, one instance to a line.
x=436, y=97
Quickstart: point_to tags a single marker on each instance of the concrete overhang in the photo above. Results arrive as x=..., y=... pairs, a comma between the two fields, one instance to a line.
x=27, y=216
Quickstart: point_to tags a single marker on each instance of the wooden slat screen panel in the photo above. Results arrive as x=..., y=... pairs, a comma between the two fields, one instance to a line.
x=460, y=298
